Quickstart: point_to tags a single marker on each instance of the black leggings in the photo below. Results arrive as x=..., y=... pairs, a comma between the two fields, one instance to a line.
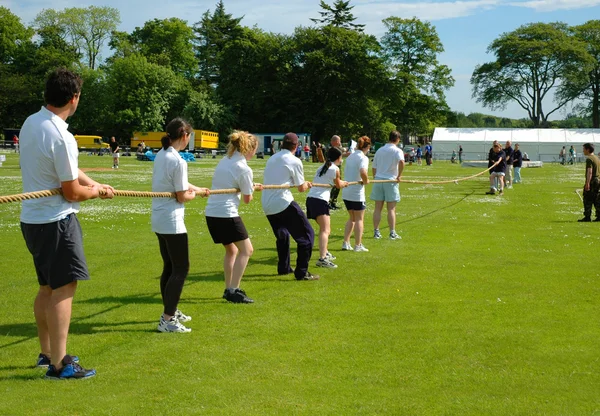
x=175, y=255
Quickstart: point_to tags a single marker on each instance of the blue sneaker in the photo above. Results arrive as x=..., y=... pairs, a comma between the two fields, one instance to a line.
x=70, y=370
x=43, y=360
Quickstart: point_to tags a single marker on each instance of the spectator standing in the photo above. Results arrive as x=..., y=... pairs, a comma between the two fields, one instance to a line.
x=592, y=184
x=114, y=149
x=15, y=140
x=508, y=151
x=572, y=155
x=428, y=154
x=419, y=154
x=460, y=153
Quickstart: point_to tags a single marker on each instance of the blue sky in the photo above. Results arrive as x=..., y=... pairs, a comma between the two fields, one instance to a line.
x=466, y=27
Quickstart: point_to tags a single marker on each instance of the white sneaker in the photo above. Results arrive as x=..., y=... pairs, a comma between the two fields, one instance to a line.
x=330, y=256
x=181, y=317
x=172, y=325
x=377, y=235
x=113, y=167
x=326, y=263
x=395, y=236
x=360, y=247
x=346, y=246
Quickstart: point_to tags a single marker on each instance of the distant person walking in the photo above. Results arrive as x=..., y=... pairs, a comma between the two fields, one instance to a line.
x=428, y=154
x=460, y=154
x=15, y=140
x=419, y=155
x=114, y=150
x=562, y=155
x=572, y=155
x=592, y=184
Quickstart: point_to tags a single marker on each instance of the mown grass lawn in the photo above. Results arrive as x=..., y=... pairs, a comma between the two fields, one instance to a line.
x=487, y=306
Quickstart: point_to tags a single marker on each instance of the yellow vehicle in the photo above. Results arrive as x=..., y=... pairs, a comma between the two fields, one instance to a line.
x=150, y=138
x=201, y=139
x=90, y=142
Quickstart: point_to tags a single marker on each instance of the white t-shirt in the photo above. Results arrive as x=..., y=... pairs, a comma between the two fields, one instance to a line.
x=354, y=163
x=327, y=179
x=48, y=157
x=168, y=175
x=231, y=172
x=283, y=168
x=386, y=161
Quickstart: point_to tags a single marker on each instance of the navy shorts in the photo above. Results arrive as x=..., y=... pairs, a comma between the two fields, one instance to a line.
x=57, y=250
x=316, y=207
x=226, y=230
x=355, y=205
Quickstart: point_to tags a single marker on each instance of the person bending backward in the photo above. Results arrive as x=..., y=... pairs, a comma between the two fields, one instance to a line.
x=222, y=217
x=284, y=214
x=169, y=174
x=387, y=164
x=49, y=225
x=357, y=166
x=591, y=188
x=317, y=207
x=498, y=172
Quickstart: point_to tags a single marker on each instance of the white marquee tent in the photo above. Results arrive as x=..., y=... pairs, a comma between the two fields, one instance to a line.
x=539, y=144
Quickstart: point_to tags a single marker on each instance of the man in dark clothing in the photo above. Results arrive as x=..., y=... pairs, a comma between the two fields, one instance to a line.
x=517, y=163
x=498, y=171
x=592, y=184
x=508, y=150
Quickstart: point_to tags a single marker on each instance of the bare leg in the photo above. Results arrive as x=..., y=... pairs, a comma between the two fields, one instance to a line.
x=40, y=306
x=377, y=214
x=324, y=231
x=58, y=316
x=359, y=217
x=231, y=252
x=245, y=250
x=349, y=227
x=391, y=215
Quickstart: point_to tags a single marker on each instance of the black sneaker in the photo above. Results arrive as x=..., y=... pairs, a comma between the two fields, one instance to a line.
x=309, y=276
x=43, y=360
x=225, y=294
x=70, y=370
x=490, y=192
x=238, y=296
x=333, y=207
x=585, y=219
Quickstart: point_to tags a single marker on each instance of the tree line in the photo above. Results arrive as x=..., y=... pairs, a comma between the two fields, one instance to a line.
x=219, y=74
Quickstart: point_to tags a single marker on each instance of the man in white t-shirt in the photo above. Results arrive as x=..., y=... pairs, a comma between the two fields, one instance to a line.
x=387, y=165
x=49, y=225
x=284, y=214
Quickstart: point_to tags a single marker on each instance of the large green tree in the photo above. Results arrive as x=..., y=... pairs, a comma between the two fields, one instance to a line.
x=530, y=64
x=213, y=33
x=87, y=29
x=419, y=81
x=339, y=15
x=584, y=81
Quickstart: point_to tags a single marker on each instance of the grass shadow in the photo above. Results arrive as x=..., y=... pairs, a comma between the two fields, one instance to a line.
x=128, y=300
x=442, y=208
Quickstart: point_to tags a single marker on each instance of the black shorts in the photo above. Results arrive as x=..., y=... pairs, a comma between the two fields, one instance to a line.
x=355, y=205
x=57, y=250
x=226, y=230
x=316, y=207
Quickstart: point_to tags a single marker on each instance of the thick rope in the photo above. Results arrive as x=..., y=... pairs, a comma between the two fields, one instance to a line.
x=143, y=194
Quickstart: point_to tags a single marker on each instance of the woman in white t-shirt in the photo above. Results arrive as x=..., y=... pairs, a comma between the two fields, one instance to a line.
x=357, y=165
x=170, y=175
x=222, y=217
x=317, y=202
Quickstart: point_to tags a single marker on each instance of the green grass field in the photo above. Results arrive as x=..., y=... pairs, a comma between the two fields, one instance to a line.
x=487, y=306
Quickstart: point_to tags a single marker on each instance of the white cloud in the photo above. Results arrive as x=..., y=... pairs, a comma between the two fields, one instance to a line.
x=552, y=5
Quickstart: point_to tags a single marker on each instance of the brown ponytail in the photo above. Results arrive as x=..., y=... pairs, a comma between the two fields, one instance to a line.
x=176, y=129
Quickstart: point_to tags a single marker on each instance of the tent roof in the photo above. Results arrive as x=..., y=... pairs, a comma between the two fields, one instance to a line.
x=484, y=135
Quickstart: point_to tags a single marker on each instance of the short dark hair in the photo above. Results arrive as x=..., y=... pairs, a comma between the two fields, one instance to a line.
x=61, y=86
x=589, y=147
x=395, y=136
x=290, y=141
